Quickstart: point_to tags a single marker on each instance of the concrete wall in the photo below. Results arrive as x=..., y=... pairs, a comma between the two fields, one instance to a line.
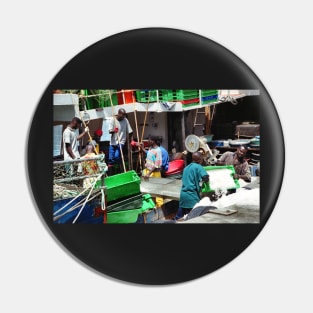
x=65, y=107
x=63, y=113
x=156, y=124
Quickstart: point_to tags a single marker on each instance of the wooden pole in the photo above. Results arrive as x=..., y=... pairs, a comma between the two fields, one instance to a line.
x=85, y=124
x=183, y=129
x=123, y=94
x=117, y=135
x=207, y=120
x=137, y=133
x=144, y=124
x=91, y=140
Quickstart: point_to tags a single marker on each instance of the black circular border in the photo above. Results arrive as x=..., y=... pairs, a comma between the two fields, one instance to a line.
x=155, y=254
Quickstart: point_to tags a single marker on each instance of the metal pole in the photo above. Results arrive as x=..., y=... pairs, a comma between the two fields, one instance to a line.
x=99, y=157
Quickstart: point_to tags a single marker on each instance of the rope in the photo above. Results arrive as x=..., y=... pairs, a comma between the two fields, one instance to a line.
x=85, y=110
x=95, y=158
x=72, y=208
x=102, y=200
x=106, y=93
x=91, y=140
x=228, y=98
x=91, y=189
x=56, y=212
x=72, y=178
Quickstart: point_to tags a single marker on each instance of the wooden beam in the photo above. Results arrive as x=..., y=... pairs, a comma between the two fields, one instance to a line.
x=183, y=129
x=207, y=120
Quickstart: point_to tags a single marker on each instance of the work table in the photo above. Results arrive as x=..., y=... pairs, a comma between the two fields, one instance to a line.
x=170, y=188
x=162, y=187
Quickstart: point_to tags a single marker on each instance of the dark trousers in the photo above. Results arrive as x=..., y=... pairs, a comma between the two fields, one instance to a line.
x=115, y=154
x=181, y=212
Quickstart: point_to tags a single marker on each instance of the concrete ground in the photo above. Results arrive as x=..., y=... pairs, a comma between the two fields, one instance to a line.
x=245, y=202
x=243, y=216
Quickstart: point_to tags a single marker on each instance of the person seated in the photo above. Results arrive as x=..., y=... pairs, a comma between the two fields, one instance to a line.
x=89, y=167
x=96, y=140
x=238, y=160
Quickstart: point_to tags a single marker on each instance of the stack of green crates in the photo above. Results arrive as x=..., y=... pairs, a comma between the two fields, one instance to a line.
x=209, y=96
x=131, y=216
x=146, y=95
x=104, y=98
x=167, y=95
x=101, y=98
x=186, y=94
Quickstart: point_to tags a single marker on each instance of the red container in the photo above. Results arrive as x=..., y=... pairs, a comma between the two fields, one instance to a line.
x=189, y=101
x=126, y=95
x=175, y=167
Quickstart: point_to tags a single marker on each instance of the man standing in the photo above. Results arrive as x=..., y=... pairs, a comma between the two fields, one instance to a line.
x=118, y=128
x=237, y=159
x=193, y=174
x=70, y=143
x=71, y=138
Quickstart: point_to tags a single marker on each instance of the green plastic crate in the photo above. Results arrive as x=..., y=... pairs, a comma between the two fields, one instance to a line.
x=206, y=186
x=105, y=100
x=130, y=216
x=177, y=95
x=132, y=202
x=90, y=102
x=185, y=106
x=101, y=98
x=206, y=92
x=121, y=185
x=167, y=95
x=146, y=96
x=123, y=217
x=147, y=202
x=186, y=94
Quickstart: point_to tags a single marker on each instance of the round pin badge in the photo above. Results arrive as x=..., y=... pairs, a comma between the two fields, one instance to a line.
x=161, y=156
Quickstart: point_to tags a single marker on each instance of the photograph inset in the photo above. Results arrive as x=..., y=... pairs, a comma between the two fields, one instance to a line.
x=156, y=156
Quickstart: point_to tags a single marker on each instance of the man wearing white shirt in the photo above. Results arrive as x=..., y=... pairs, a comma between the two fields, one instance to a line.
x=71, y=138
